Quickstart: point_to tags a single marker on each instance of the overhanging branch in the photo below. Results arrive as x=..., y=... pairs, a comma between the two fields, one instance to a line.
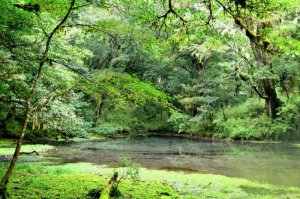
x=171, y=10
x=52, y=97
x=72, y=69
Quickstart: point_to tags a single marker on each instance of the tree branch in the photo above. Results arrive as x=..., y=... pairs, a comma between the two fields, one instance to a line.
x=258, y=93
x=81, y=6
x=171, y=10
x=253, y=87
x=72, y=69
x=52, y=97
x=45, y=54
x=253, y=38
x=91, y=26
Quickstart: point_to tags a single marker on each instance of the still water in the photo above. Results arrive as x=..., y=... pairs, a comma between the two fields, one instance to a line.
x=275, y=163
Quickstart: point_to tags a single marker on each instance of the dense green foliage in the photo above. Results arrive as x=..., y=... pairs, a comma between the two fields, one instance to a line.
x=163, y=66
x=225, y=69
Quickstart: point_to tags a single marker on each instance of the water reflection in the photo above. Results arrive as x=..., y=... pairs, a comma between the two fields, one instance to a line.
x=272, y=163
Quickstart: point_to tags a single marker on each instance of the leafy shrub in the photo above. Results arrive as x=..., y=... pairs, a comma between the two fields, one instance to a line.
x=178, y=121
x=252, y=108
x=247, y=128
x=13, y=128
x=109, y=128
x=248, y=121
x=80, y=129
x=131, y=170
x=289, y=114
x=198, y=126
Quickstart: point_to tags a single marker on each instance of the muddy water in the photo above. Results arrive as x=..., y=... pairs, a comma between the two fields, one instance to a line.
x=276, y=163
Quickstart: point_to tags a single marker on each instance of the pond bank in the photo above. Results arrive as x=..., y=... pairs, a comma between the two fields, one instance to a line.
x=195, y=137
x=44, y=180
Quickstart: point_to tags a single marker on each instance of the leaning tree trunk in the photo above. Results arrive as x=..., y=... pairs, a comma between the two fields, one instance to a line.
x=29, y=108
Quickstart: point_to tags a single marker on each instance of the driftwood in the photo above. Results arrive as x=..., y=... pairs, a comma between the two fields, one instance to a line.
x=30, y=153
x=105, y=194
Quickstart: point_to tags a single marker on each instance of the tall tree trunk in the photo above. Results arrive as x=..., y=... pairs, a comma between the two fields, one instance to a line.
x=223, y=112
x=272, y=103
x=260, y=49
x=29, y=108
x=99, y=108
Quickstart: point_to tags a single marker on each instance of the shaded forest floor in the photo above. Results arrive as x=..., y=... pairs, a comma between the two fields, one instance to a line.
x=34, y=177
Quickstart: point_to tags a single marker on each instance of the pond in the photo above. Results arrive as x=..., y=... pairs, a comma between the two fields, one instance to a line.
x=275, y=163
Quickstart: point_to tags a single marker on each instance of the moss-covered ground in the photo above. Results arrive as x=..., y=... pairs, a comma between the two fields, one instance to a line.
x=49, y=180
x=44, y=180
x=26, y=148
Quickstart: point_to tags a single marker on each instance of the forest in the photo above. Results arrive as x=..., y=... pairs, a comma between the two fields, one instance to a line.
x=149, y=99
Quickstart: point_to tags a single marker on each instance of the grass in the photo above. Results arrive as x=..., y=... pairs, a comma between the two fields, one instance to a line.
x=43, y=180
x=25, y=148
x=35, y=180
x=89, y=137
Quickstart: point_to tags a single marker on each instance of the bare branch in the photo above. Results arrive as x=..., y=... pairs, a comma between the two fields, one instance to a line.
x=171, y=11
x=258, y=93
x=253, y=87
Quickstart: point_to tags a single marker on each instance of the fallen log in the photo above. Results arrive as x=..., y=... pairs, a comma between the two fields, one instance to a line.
x=105, y=194
x=30, y=153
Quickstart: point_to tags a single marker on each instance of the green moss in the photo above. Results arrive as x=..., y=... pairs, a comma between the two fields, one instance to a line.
x=6, y=143
x=26, y=148
x=38, y=180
